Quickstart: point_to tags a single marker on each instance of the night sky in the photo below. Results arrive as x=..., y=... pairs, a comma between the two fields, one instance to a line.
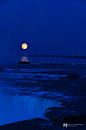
x=47, y=26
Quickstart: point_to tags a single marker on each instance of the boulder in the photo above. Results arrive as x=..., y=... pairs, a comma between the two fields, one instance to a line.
x=54, y=119
x=72, y=76
x=1, y=69
x=75, y=119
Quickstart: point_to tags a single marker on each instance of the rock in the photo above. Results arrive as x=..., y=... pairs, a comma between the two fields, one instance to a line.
x=1, y=69
x=72, y=76
x=75, y=119
x=56, y=114
x=54, y=119
x=33, y=124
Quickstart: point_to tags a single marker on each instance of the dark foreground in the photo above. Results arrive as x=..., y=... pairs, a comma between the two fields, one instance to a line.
x=72, y=103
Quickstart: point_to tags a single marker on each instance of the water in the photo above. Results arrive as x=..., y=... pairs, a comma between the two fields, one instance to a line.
x=18, y=107
x=15, y=59
x=15, y=108
x=26, y=80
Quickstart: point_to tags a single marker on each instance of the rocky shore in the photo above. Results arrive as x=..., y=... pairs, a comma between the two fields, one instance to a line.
x=73, y=100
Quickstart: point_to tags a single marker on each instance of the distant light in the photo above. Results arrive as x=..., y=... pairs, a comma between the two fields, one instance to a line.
x=24, y=46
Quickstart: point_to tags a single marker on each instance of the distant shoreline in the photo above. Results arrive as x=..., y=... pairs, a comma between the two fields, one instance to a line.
x=77, y=57
x=66, y=56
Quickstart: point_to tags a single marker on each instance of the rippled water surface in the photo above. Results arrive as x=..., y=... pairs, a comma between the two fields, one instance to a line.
x=6, y=59
x=26, y=91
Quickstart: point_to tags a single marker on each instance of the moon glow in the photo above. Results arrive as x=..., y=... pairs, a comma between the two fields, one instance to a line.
x=24, y=46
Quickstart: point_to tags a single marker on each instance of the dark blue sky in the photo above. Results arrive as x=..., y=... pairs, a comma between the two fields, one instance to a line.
x=47, y=26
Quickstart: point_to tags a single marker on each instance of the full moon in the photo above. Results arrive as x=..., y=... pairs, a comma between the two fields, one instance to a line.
x=24, y=46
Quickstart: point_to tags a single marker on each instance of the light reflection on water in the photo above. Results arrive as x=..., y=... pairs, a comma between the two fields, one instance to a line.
x=18, y=108
x=24, y=58
x=15, y=59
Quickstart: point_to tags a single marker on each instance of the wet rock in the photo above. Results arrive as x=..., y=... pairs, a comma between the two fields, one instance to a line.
x=54, y=119
x=1, y=69
x=80, y=69
x=72, y=76
x=75, y=119
x=55, y=114
x=33, y=124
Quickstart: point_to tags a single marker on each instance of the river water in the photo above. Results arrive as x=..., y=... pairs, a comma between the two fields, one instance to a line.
x=21, y=97
x=15, y=108
x=15, y=59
